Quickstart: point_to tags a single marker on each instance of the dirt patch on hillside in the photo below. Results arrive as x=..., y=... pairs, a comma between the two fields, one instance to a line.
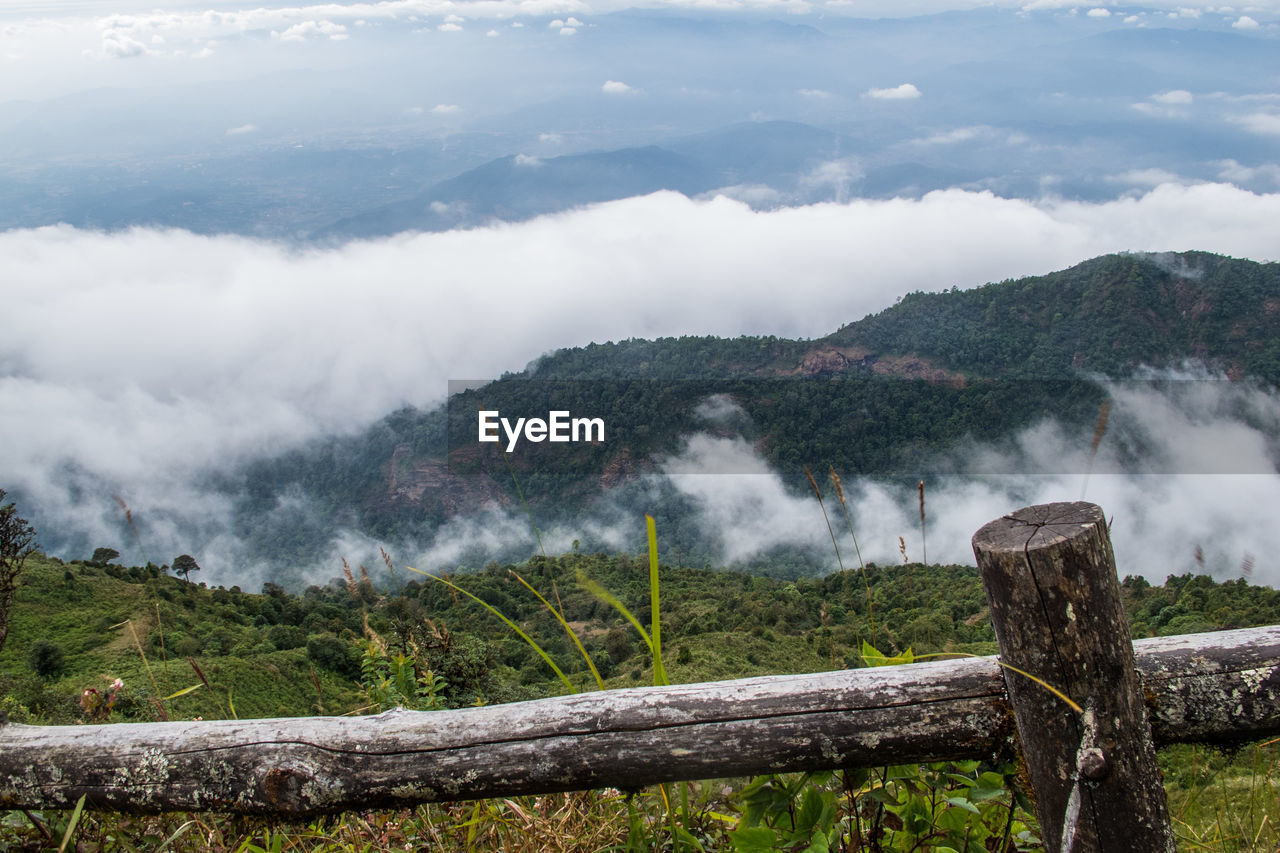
x=915, y=367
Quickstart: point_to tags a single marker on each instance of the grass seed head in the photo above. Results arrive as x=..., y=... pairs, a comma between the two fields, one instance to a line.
x=835, y=481
x=814, y=484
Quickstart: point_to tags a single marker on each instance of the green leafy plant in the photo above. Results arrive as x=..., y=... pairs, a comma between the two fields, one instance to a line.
x=397, y=680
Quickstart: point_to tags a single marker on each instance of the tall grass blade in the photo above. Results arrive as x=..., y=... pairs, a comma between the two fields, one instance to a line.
x=655, y=620
x=128, y=517
x=1037, y=679
x=596, y=589
x=183, y=692
x=849, y=520
x=924, y=550
x=138, y=643
x=75, y=821
x=513, y=626
x=814, y=485
x=568, y=630
x=73, y=824
x=1099, y=430
x=177, y=833
x=520, y=493
x=164, y=656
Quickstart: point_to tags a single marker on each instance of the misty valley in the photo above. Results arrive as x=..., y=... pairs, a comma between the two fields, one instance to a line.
x=990, y=396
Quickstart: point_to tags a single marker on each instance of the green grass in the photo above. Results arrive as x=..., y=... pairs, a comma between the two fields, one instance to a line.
x=713, y=625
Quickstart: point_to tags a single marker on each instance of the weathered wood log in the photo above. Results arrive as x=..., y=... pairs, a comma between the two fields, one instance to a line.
x=1050, y=579
x=1210, y=687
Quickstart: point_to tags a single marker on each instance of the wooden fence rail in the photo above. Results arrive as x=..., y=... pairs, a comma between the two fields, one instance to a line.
x=1050, y=579
x=1200, y=687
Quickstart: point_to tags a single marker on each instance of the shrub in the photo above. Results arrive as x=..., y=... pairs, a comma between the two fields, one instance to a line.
x=286, y=637
x=328, y=652
x=46, y=659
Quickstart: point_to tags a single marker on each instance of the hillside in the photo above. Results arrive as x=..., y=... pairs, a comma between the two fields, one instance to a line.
x=887, y=397
x=82, y=625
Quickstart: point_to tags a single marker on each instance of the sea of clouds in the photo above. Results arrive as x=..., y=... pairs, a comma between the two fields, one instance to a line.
x=133, y=364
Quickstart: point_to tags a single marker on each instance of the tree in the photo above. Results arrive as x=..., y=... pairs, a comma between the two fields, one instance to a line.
x=17, y=542
x=104, y=555
x=184, y=565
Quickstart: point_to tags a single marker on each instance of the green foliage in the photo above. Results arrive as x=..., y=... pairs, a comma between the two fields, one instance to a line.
x=46, y=659
x=285, y=637
x=787, y=813
x=17, y=543
x=730, y=625
x=338, y=656
x=395, y=681
x=952, y=806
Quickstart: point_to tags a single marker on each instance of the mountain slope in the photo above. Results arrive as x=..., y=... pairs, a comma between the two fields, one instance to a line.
x=776, y=154
x=883, y=396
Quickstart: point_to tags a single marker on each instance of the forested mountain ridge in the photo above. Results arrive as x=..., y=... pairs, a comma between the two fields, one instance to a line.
x=1107, y=315
x=882, y=396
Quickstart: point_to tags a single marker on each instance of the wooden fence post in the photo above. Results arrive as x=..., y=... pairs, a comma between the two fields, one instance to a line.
x=1050, y=578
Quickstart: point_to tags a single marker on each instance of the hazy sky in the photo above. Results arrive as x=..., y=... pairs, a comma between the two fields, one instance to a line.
x=57, y=48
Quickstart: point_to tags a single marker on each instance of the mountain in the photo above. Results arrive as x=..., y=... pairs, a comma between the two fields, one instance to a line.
x=779, y=155
x=892, y=396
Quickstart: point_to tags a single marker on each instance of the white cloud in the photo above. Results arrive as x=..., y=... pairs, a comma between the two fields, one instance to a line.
x=758, y=196
x=312, y=29
x=241, y=130
x=1099, y=13
x=449, y=28
x=615, y=87
x=906, y=91
x=838, y=176
x=957, y=135
x=492, y=33
x=813, y=93
x=1244, y=22
x=1171, y=104
x=573, y=22
x=527, y=161
x=1263, y=123
x=1236, y=173
x=178, y=354
x=1158, y=520
x=446, y=109
x=119, y=44
x=1145, y=178
x=568, y=31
